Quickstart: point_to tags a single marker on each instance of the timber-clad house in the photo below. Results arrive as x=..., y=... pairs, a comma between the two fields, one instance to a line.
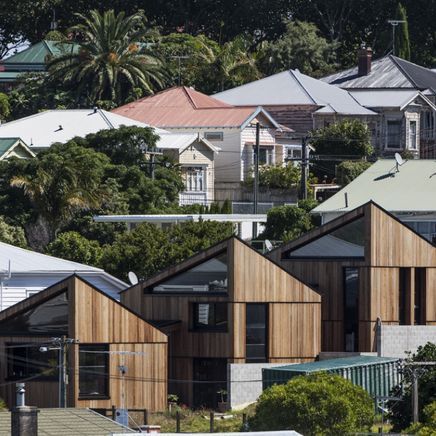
x=371, y=270
x=106, y=336
x=225, y=305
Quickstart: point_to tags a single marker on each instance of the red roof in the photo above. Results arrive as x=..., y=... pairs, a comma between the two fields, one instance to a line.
x=184, y=107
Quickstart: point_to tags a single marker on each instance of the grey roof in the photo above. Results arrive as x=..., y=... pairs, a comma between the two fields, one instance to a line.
x=293, y=88
x=412, y=189
x=68, y=422
x=392, y=98
x=387, y=72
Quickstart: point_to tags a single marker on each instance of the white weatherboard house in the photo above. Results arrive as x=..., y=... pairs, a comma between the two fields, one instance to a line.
x=408, y=192
x=39, y=131
x=24, y=273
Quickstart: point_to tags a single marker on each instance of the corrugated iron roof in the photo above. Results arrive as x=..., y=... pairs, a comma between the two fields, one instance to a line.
x=377, y=98
x=184, y=107
x=386, y=72
x=6, y=144
x=294, y=88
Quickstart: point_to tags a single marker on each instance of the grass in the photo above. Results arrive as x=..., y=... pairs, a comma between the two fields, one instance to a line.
x=197, y=421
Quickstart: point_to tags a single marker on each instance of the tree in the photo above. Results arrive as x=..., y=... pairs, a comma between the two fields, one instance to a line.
x=13, y=235
x=285, y=223
x=65, y=179
x=277, y=177
x=315, y=404
x=402, y=42
x=147, y=249
x=112, y=61
x=347, y=171
x=73, y=246
x=300, y=47
x=5, y=108
x=400, y=413
x=427, y=427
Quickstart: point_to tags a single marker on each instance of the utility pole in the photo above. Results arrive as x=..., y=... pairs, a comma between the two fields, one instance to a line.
x=304, y=164
x=415, y=401
x=394, y=24
x=256, y=177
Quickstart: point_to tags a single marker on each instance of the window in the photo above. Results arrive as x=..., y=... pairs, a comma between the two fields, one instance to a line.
x=209, y=276
x=210, y=377
x=294, y=153
x=210, y=316
x=256, y=333
x=403, y=294
x=266, y=156
x=27, y=361
x=351, y=308
x=49, y=318
x=393, y=133
x=412, y=135
x=194, y=179
x=346, y=241
x=93, y=371
x=420, y=291
x=214, y=136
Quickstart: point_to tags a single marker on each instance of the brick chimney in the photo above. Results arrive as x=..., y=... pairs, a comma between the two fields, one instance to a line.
x=364, y=61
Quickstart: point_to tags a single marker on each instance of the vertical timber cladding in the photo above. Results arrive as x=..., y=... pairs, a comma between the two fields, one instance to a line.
x=392, y=250
x=99, y=319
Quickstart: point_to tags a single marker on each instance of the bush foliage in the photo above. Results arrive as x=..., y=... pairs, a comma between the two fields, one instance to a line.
x=347, y=171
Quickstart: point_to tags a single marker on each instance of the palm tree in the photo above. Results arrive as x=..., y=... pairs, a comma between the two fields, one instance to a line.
x=111, y=62
x=234, y=65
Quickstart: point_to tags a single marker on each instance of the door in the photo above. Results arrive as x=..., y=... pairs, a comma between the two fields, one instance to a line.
x=210, y=376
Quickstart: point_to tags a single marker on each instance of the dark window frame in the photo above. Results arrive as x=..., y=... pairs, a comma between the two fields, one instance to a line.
x=265, y=359
x=356, y=315
x=106, y=355
x=196, y=326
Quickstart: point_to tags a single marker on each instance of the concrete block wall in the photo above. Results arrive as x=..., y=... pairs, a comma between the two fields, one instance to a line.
x=245, y=382
x=395, y=340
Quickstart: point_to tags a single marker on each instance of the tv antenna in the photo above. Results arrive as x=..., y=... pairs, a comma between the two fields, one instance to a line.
x=394, y=24
x=133, y=278
x=179, y=58
x=399, y=161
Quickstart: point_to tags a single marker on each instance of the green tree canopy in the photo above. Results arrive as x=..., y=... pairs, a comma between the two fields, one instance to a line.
x=73, y=246
x=402, y=41
x=300, y=47
x=315, y=404
x=347, y=171
x=13, y=235
x=112, y=60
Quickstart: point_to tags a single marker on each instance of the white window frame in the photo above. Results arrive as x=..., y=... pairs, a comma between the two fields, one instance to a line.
x=219, y=136
x=413, y=139
x=195, y=178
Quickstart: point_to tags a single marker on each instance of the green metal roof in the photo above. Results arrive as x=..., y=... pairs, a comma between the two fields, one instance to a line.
x=37, y=53
x=331, y=364
x=68, y=422
x=6, y=144
x=9, y=76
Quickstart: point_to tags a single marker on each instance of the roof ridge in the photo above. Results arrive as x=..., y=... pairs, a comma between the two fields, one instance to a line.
x=292, y=72
x=394, y=59
x=188, y=95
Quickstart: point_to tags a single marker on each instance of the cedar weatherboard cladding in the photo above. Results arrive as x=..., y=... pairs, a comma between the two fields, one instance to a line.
x=294, y=312
x=96, y=318
x=389, y=246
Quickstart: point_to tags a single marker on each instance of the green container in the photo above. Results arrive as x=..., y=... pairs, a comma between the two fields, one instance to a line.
x=377, y=375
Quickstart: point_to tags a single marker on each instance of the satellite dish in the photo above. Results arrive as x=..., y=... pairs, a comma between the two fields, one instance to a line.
x=399, y=160
x=133, y=278
x=268, y=245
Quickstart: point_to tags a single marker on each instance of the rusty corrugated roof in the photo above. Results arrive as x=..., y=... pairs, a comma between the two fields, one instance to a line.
x=185, y=107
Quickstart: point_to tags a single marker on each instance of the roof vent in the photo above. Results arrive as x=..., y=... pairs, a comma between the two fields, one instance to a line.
x=95, y=108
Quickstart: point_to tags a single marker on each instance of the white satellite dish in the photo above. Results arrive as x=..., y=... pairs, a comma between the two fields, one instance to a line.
x=133, y=278
x=268, y=245
x=399, y=160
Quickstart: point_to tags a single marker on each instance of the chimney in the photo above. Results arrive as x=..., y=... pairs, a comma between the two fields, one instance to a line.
x=24, y=419
x=364, y=61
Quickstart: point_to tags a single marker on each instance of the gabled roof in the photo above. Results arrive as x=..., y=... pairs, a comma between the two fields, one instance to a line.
x=184, y=107
x=27, y=262
x=43, y=129
x=386, y=72
x=7, y=146
x=68, y=422
x=389, y=98
x=293, y=88
x=182, y=141
x=411, y=189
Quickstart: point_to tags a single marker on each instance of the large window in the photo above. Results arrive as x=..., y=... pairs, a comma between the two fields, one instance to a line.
x=47, y=319
x=256, y=333
x=393, y=133
x=346, y=241
x=351, y=308
x=412, y=135
x=209, y=276
x=266, y=156
x=420, y=295
x=404, y=295
x=210, y=316
x=195, y=179
x=26, y=360
x=93, y=371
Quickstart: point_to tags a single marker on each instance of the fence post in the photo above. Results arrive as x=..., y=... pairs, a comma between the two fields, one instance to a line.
x=145, y=417
x=211, y=430
x=114, y=412
x=177, y=422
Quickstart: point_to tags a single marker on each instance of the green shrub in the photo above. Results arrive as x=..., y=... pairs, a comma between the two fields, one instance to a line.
x=428, y=425
x=316, y=404
x=347, y=171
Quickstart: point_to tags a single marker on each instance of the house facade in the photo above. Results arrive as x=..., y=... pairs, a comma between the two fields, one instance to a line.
x=403, y=93
x=114, y=357
x=14, y=147
x=227, y=305
x=372, y=271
